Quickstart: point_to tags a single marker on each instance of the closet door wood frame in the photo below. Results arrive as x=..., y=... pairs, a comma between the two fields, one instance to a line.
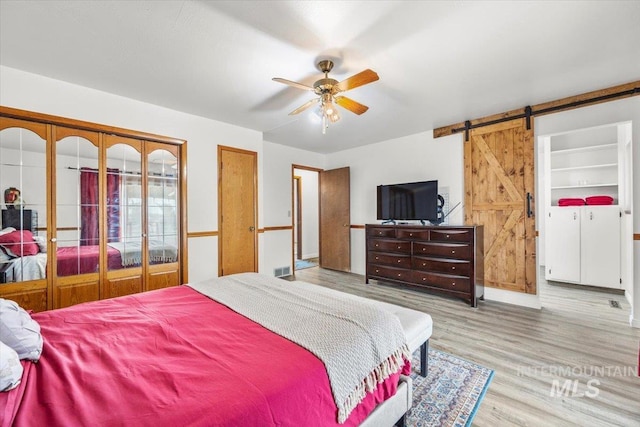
x=128, y=280
x=78, y=288
x=53, y=291
x=164, y=274
x=32, y=294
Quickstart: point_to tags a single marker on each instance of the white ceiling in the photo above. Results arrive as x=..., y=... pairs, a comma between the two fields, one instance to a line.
x=439, y=62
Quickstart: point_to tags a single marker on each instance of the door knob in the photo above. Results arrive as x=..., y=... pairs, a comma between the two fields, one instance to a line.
x=252, y=228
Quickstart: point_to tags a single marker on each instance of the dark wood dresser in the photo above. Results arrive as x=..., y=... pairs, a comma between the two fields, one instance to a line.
x=433, y=258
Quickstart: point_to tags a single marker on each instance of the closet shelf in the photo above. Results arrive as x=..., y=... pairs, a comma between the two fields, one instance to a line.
x=561, y=187
x=575, y=168
x=613, y=146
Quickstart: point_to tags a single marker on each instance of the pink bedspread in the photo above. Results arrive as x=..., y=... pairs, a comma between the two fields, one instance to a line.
x=74, y=260
x=171, y=357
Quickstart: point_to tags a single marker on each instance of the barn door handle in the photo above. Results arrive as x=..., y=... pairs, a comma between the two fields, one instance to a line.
x=529, y=211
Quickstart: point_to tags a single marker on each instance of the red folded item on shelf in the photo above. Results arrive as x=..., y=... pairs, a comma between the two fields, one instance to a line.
x=568, y=201
x=599, y=200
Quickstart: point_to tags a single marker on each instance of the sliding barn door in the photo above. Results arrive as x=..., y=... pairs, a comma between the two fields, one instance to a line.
x=335, y=220
x=499, y=188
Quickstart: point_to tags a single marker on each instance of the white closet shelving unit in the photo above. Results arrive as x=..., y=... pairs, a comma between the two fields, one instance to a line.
x=583, y=243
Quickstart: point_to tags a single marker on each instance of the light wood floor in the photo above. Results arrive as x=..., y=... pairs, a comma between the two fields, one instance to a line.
x=576, y=336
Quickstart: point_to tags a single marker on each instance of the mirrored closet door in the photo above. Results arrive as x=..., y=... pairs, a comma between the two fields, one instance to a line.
x=23, y=235
x=76, y=234
x=87, y=214
x=163, y=214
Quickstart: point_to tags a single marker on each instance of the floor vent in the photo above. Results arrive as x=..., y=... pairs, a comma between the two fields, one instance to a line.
x=614, y=303
x=282, y=271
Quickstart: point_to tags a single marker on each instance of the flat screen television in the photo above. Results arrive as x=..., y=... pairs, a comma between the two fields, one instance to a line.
x=408, y=201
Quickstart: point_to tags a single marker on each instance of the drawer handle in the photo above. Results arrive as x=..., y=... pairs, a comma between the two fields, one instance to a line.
x=453, y=283
x=377, y=258
x=424, y=249
x=453, y=252
x=453, y=268
x=424, y=279
x=380, y=233
x=410, y=234
x=424, y=264
x=399, y=246
x=399, y=260
x=377, y=245
x=399, y=274
x=377, y=271
x=447, y=236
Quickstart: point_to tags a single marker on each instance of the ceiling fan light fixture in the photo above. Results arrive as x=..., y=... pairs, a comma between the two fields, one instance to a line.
x=326, y=88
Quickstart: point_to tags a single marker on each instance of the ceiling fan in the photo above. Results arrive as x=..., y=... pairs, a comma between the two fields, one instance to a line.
x=327, y=88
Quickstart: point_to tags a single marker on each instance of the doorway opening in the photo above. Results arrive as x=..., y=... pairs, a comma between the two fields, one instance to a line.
x=305, y=217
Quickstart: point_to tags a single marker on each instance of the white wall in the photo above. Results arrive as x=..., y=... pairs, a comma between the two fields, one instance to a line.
x=417, y=157
x=278, y=200
x=597, y=115
x=310, y=217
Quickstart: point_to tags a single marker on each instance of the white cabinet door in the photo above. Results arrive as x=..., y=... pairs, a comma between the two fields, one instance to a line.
x=563, y=244
x=601, y=246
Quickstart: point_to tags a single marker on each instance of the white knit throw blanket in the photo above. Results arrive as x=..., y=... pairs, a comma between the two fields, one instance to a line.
x=359, y=344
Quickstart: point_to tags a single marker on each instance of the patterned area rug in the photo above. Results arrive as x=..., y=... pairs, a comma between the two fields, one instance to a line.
x=451, y=393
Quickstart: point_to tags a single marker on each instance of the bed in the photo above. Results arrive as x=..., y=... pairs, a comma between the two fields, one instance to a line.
x=176, y=356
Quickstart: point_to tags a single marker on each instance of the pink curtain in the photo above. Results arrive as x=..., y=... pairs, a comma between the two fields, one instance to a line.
x=113, y=205
x=89, y=206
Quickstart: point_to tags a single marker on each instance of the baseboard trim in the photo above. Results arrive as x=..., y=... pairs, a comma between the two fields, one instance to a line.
x=628, y=296
x=510, y=297
x=635, y=323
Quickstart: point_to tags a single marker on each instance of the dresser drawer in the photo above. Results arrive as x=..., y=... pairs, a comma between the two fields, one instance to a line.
x=381, y=231
x=450, y=266
x=444, y=281
x=403, y=261
x=382, y=245
x=408, y=233
x=390, y=272
x=448, y=235
x=450, y=250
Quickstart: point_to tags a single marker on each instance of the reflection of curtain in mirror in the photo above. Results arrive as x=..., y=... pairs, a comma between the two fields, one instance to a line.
x=113, y=205
x=89, y=230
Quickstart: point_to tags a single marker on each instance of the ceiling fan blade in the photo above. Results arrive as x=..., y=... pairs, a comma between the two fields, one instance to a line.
x=290, y=83
x=362, y=78
x=304, y=106
x=350, y=104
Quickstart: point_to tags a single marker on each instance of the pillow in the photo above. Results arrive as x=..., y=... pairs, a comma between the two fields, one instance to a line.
x=41, y=242
x=19, y=243
x=19, y=331
x=7, y=230
x=10, y=368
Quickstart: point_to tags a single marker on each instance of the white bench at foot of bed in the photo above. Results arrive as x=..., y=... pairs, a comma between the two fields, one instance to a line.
x=417, y=327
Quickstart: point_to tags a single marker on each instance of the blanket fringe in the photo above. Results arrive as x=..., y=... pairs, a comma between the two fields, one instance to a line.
x=384, y=370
